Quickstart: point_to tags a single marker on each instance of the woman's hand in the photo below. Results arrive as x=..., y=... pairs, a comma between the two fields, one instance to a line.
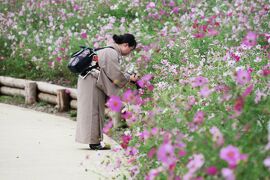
x=134, y=77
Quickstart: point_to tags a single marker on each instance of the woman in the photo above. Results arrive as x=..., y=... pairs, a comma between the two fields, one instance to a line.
x=101, y=83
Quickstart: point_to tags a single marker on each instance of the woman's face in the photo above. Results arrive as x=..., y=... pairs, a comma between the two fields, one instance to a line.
x=125, y=49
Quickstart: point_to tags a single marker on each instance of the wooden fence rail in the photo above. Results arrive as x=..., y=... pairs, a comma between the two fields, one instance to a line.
x=63, y=97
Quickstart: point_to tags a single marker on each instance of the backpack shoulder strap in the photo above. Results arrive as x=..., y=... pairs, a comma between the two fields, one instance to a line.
x=103, y=48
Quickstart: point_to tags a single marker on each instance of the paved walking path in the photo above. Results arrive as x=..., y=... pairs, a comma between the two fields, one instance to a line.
x=37, y=146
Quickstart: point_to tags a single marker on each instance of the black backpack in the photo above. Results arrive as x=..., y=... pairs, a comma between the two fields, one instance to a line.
x=84, y=59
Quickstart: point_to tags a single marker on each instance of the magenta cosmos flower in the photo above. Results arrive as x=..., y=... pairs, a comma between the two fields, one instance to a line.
x=150, y=5
x=129, y=96
x=232, y=155
x=125, y=140
x=132, y=97
x=212, y=170
x=239, y=105
x=217, y=136
x=195, y=163
x=115, y=103
x=198, y=81
x=199, y=117
x=144, y=82
x=248, y=90
x=250, y=40
x=228, y=174
x=166, y=155
x=205, y=91
x=212, y=32
x=242, y=77
x=84, y=35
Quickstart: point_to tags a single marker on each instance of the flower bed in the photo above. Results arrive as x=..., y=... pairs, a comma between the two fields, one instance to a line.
x=202, y=110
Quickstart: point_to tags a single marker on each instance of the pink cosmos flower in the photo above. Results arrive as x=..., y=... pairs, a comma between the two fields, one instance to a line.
x=230, y=154
x=266, y=70
x=150, y=5
x=165, y=154
x=134, y=170
x=125, y=140
x=68, y=91
x=129, y=96
x=58, y=59
x=182, y=153
x=205, y=91
x=162, y=12
x=144, y=82
x=151, y=153
x=188, y=176
x=51, y=64
x=195, y=163
x=84, y=35
x=217, y=136
x=203, y=28
x=131, y=151
x=248, y=90
x=250, y=40
x=228, y=174
x=175, y=10
x=235, y=57
x=153, y=173
x=76, y=7
x=198, y=81
x=259, y=96
x=154, y=131
x=115, y=103
x=242, y=77
x=144, y=135
x=107, y=127
x=212, y=32
x=127, y=115
x=266, y=162
x=198, y=118
x=199, y=35
x=172, y=4
x=212, y=170
x=191, y=100
x=239, y=104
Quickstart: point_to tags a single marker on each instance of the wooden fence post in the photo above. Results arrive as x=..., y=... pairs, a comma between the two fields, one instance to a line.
x=62, y=100
x=30, y=93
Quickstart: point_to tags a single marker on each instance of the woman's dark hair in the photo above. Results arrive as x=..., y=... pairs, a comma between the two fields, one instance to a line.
x=125, y=38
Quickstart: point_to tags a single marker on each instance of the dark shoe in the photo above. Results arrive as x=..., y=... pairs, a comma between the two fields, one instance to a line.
x=99, y=147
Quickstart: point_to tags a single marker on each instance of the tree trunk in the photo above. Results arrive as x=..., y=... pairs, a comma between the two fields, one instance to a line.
x=11, y=91
x=73, y=104
x=30, y=93
x=12, y=82
x=48, y=88
x=62, y=100
x=47, y=98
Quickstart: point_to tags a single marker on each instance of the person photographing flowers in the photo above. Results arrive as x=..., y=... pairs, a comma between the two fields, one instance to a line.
x=94, y=89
